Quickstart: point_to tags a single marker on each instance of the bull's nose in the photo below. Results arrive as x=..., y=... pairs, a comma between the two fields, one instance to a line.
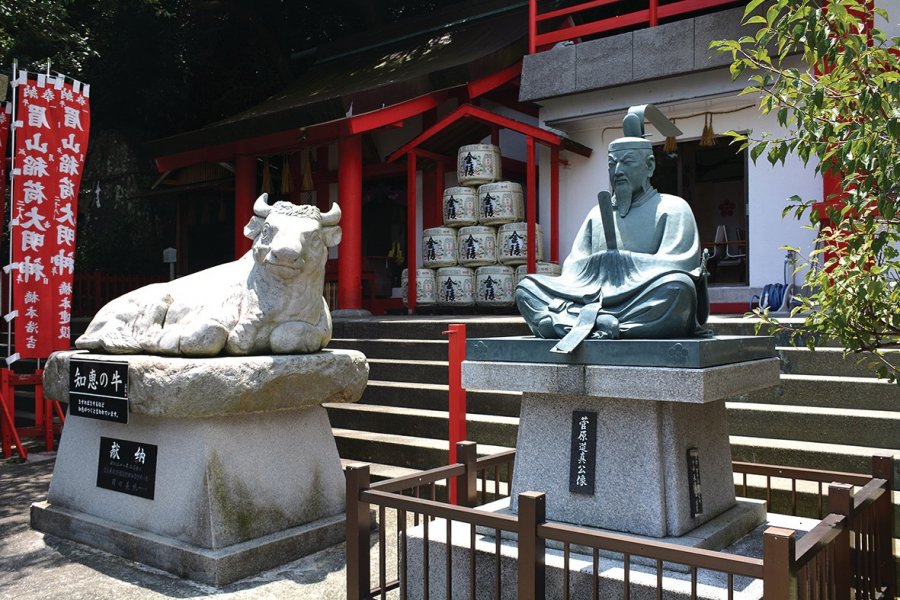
x=285, y=254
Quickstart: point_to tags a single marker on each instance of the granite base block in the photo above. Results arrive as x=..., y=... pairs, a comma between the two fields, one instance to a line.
x=214, y=567
x=641, y=473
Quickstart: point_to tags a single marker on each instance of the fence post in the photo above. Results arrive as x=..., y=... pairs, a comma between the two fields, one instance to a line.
x=358, y=528
x=840, y=501
x=531, y=578
x=779, y=575
x=456, y=354
x=883, y=468
x=466, y=453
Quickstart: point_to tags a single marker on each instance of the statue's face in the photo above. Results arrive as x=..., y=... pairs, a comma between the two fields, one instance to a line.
x=631, y=167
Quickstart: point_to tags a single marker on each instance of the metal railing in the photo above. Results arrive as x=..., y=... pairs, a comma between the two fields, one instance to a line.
x=553, y=21
x=849, y=549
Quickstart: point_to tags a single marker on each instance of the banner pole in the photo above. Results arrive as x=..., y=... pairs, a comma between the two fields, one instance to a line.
x=12, y=187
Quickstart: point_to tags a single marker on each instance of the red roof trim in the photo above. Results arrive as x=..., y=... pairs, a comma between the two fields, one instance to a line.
x=475, y=112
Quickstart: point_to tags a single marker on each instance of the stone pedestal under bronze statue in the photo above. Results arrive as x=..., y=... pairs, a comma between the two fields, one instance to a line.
x=621, y=436
x=247, y=473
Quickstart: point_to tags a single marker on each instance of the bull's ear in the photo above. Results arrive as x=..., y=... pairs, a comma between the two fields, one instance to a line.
x=252, y=229
x=332, y=235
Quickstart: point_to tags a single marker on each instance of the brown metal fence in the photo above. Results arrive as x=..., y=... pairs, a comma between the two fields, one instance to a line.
x=850, y=549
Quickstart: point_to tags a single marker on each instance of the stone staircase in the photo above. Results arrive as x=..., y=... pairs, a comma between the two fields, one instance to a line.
x=827, y=413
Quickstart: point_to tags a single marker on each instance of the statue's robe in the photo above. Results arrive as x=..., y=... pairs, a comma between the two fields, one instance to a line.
x=652, y=283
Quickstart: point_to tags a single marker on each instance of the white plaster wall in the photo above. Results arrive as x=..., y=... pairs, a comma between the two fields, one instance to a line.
x=891, y=27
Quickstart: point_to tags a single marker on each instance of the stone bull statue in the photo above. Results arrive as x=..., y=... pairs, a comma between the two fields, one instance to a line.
x=268, y=301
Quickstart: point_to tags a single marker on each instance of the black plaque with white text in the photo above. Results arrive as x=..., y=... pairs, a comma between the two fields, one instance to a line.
x=694, y=489
x=98, y=390
x=127, y=467
x=583, y=457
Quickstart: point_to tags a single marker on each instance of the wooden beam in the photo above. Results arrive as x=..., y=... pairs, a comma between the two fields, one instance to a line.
x=395, y=112
x=494, y=80
x=273, y=143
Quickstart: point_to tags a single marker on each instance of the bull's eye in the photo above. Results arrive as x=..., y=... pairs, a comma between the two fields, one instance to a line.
x=267, y=234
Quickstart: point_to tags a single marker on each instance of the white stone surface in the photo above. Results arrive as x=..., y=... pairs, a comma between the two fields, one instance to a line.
x=204, y=387
x=636, y=383
x=268, y=301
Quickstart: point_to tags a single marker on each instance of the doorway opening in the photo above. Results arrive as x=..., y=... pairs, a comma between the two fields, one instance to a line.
x=713, y=181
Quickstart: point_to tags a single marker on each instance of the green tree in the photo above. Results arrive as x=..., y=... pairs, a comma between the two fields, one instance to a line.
x=833, y=82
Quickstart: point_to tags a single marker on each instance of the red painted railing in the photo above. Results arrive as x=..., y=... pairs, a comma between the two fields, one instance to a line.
x=551, y=22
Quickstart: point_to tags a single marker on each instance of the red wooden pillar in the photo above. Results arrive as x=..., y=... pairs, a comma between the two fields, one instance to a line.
x=531, y=204
x=244, y=195
x=654, y=13
x=323, y=187
x=411, y=254
x=350, y=250
x=554, y=205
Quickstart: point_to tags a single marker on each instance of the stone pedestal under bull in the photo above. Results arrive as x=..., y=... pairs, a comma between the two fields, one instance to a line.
x=225, y=373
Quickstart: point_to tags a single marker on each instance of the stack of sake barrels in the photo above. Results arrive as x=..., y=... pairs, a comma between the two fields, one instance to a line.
x=473, y=258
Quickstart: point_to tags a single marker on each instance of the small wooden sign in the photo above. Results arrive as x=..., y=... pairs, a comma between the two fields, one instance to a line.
x=694, y=489
x=98, y=390
x=127, y=467
x=583, y=456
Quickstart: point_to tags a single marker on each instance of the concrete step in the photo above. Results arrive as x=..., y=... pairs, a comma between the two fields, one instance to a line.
x=827, y=391
x=434, y=396
x=873, y=428
x=483, y=429
x=428, y=327
x=397, y=349
x=409, y=371
x=810, y=455
x=398, y=450
x=832, y=362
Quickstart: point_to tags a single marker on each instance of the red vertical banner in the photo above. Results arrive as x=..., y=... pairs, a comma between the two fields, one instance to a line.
x=52, y=125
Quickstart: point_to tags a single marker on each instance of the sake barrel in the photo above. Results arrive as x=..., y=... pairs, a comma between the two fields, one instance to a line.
x=424, y=287
x=500, y=202
x=460, y=206
x=476, y=246
x=512, y=243
x=494, y=286
x=477, y=164
x=542, y=268
x=439, y=247
x=454, y=286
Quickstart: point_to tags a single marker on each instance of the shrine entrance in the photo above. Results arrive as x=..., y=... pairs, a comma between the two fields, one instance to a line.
x=713, y=180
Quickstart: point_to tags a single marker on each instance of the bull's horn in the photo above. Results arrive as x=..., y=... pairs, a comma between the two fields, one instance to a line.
x=261, y=207
x=333, y=216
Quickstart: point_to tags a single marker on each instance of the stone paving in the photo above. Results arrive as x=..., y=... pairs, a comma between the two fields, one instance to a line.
x=38, y=566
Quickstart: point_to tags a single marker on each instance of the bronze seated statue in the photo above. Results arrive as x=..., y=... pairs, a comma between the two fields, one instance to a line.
x=635, y=270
